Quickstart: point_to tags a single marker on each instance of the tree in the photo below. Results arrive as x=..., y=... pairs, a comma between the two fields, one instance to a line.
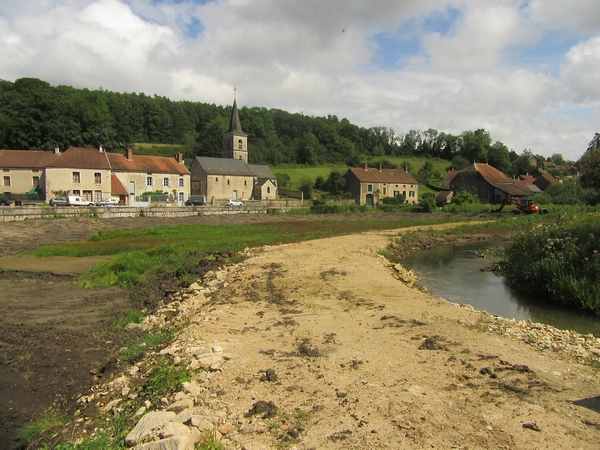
x=460, y=163
x=590, y=164
x=427, y=173
x=308, y=149
x=283, y=180
x=306, y=186
x=335, y=183
x=475, y=145
x=465, y=197
x=499, y=157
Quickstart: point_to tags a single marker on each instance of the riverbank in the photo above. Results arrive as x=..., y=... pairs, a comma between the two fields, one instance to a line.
x=320, y=345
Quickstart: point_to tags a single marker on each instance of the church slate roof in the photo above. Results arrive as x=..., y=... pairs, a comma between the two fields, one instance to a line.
x=261, y=171
x=224, y=166
x=235, y=126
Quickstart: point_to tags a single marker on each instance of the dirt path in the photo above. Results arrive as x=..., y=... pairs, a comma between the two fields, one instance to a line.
x=362, y=361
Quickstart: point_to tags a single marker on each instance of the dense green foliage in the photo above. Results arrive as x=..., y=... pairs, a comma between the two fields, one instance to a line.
x=35, y=115
x=560, y=262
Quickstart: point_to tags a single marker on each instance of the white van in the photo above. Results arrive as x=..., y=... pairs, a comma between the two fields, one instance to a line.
x=73, y=200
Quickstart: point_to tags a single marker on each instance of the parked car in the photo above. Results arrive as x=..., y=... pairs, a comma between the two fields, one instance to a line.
x=234, y=202
x=196, y=200
x=73, y=200
x=58, y=201
x=5, y=202
x=109, y=202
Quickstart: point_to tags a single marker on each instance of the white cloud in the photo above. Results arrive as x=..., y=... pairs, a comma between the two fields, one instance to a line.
x=581, y=72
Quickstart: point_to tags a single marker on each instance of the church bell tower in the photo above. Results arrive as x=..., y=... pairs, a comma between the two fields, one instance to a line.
x=235, y=141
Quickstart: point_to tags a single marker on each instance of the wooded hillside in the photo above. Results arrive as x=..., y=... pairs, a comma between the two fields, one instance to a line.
x=36, y=115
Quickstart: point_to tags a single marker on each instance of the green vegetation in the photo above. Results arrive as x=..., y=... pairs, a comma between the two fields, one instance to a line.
x=110, y=437
x=132, y=316
x=146, y=253
x=140, y=346
x=45, y=428
x=559, y=261
x=165, y=378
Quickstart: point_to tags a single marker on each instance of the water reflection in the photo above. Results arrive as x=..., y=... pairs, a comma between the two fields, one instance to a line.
x=454, y=273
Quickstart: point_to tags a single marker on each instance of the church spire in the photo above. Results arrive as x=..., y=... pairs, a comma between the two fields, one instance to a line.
x=235, y=141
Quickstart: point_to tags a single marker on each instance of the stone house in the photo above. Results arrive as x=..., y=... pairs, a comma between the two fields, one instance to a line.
x=137, y=174
x=369, y=186
x=23, y=172
x=489, y=184
x=84, y=172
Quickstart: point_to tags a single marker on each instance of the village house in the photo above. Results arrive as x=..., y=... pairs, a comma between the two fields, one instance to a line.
x=23, y=173
x=135, y=174
x=84, y=172
x=369, y=186
x=489, y=184
x=231, y=177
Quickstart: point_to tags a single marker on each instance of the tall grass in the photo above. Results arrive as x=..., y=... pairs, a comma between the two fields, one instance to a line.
x=559, y=261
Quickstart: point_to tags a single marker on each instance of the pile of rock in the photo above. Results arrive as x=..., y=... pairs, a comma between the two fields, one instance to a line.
x=188, y=416
x=586, y=348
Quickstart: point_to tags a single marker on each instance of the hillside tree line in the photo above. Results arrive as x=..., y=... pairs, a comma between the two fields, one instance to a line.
x=36, y=115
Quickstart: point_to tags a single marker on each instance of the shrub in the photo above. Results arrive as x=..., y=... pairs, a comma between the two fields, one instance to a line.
x=560, y=262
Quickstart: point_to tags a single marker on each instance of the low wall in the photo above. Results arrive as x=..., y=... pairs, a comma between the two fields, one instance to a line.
x=19, y=213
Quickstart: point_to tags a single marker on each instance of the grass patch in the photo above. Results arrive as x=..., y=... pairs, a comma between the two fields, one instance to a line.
x=45, y=428
x=132, y=316
x=164, y=378
x=138, y=348
x=146, y=253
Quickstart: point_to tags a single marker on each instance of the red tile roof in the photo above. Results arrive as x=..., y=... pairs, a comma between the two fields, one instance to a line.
x=450, y=175
x=146, y=164
x=26, y=159
x=498, y=179
x=116, y=187
x=370, y=175
x=81, y=158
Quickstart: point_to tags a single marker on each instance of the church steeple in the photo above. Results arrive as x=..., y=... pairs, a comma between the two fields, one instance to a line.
x=235, y=141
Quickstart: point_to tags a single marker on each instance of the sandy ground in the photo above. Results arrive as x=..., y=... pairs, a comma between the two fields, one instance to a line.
x=362, y=361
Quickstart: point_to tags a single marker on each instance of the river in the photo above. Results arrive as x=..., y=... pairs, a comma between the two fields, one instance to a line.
x=454, y=272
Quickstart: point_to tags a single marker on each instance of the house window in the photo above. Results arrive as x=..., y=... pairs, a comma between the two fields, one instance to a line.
x=181, y=182
x=384, y=191
x=149, y=181
x=240, y=144
x=77, y=192
x=216, y=179
x=5, y=170
x=98, y=178
x=268, y=189
x=245, y=182
x=87, y=195
x=6, y=181
x=166, y=182
x=181, y=196
x=411, y=193
x=97, y=196
x=36, y=181
x=76, y=177
x=369, y=188
x=227, y=182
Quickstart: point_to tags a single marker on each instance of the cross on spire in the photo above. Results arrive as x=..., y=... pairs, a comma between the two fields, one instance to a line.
x=234, y=91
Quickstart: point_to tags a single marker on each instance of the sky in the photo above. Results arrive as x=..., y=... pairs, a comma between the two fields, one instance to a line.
x=526, y=71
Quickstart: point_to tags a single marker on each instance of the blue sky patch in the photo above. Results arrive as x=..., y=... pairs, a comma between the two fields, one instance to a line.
x=192, y=28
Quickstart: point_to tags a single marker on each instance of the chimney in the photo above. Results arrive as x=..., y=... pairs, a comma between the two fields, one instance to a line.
x=56, y=150
x=366, y=167
x=405, y=168
x=179, y=157
x=380, y=167
x=129, y=154
x=100, y=149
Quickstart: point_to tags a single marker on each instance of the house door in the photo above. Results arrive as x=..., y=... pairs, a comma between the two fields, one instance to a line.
x=370, y=201
x=234, y=194
x=131, y=192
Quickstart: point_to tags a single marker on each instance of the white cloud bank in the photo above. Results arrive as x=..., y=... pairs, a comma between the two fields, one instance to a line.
x=527, y=72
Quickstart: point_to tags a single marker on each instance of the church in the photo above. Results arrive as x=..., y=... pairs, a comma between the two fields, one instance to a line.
x=231, y=177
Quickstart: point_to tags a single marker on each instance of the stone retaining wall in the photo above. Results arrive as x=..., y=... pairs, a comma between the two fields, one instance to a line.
x=19, y=213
